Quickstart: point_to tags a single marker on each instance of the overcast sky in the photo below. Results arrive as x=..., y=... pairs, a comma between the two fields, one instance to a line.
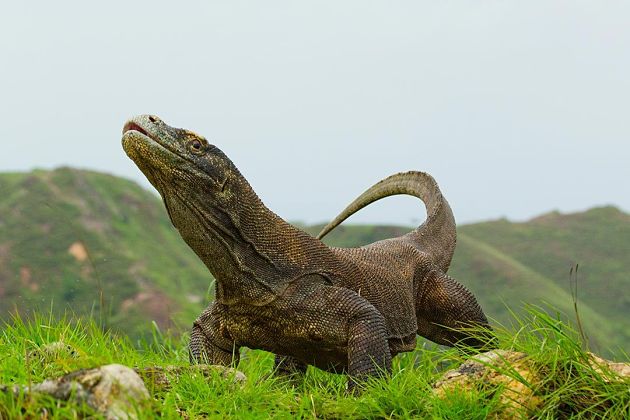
x=516, y=107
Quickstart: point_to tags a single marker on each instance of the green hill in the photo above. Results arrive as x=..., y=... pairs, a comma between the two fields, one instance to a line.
x=95, y=244
x=598, y=240
x=102, y=245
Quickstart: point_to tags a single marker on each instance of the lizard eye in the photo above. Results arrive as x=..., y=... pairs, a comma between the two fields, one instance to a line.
x=197, y=146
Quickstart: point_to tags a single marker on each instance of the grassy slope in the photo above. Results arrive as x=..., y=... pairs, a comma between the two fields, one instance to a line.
x=598, y=239
x=135, y=255
x=571, y=388
x=155, y=246
x=500, y=281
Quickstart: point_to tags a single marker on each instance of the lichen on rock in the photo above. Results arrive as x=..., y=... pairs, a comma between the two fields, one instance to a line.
x=508, y=372
x=518, y=380
x=50, y=352
x=160, y=378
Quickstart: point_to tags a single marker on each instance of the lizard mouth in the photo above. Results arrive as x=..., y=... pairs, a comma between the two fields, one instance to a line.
x=142, y=140
x=136, y=138
x=146, y=138
x=132, y=126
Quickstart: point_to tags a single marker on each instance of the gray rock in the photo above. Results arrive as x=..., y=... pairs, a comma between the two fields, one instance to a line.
x=115, y=391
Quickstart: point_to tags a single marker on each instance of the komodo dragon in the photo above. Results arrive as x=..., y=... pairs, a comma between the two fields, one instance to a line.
x=283, y=291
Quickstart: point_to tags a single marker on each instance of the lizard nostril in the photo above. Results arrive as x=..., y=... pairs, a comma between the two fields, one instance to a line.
x=153, y=119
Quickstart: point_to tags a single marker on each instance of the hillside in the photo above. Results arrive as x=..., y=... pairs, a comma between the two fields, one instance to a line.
x=101, y=245
x=94, y=244
x=598, y=240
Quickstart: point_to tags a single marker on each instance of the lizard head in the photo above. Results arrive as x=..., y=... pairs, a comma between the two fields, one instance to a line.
x=212, y=205
x=186, y=170
x=174, y=155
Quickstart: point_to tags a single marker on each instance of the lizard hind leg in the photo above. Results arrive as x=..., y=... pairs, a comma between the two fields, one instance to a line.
x=346, y=332
x=289, y=368
x=368, y=350
x=287, y=365
x=448, y=314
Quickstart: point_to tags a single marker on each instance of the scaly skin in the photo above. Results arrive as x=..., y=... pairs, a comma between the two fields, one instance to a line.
x=281, y=290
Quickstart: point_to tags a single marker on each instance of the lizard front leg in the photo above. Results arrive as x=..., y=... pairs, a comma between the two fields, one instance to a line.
x=210, y=342
x=339, y=317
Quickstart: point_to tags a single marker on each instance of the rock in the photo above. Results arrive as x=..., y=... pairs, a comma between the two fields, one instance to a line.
x=159, y=378
x=496, y=369
x=611, y=371
x=115, y=391
x=53, y=351
x=514, y=373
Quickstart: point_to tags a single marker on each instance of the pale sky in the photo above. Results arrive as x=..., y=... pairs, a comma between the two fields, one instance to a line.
x=515, y=107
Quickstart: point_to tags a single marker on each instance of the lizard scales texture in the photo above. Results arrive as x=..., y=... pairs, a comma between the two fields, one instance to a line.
x=281, y=290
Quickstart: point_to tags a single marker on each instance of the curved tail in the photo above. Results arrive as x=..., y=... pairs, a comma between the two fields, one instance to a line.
x=436, y=236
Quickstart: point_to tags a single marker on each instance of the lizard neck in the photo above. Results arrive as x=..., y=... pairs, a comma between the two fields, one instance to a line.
x=252, y=253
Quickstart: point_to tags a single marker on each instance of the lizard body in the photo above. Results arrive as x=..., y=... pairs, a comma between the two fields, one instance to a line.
x=281, y=290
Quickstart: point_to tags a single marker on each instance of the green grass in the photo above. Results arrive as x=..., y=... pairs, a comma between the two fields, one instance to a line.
x=571, y=388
